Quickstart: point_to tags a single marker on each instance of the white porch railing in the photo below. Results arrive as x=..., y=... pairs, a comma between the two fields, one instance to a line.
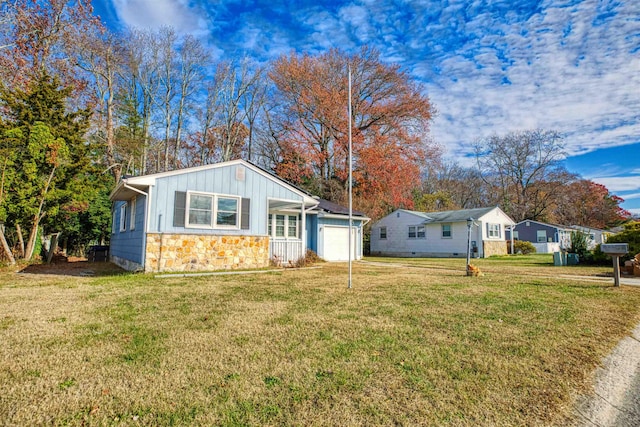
x=285, y=251
x=547, y=248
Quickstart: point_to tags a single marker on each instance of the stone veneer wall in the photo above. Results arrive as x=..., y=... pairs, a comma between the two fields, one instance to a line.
x=494, y=247
x=192, y=252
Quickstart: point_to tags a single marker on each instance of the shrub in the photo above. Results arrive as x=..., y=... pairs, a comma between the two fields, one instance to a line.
x=308, y=259
x=521, y=247
x=597, y=257
x=579, y=244
x=630, y=235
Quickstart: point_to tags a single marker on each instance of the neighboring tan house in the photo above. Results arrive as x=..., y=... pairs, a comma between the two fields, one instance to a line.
x=547, y=238
x=224, y=216
x=408, y=233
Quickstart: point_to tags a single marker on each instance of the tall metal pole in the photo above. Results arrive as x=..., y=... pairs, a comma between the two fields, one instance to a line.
x=350, y=185
x=512, y=227
x=469, y=223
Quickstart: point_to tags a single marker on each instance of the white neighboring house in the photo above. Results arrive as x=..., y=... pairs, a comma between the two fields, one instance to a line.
x=406, y=233
x=595, y=236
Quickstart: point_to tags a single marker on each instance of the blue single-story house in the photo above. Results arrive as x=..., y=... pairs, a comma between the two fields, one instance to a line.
x=546, y=238
x=224, y=216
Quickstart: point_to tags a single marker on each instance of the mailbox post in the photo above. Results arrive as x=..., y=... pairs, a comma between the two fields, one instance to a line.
x=616, y=250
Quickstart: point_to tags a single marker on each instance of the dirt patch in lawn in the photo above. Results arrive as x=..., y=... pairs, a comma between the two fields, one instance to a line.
x=72, y=266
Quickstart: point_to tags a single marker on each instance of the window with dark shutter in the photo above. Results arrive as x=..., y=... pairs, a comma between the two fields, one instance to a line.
x=245, y=214
x=179, y=207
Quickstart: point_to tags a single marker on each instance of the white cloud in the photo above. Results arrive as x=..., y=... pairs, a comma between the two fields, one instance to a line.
x=154, y=14
x=565, y=74
x=620, y=183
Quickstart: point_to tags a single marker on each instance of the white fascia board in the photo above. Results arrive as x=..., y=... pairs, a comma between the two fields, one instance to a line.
x=339, y=216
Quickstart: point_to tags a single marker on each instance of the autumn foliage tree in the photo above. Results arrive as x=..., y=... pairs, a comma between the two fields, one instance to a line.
x=41, y=35
x=390, y=115
x=584, y=202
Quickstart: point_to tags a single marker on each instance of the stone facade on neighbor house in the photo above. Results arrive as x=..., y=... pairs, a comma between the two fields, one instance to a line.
x=491, y=248
x=189, y=252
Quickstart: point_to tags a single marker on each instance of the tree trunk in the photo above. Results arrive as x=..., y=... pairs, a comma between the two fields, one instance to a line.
x=31, y=243
x=20, y=240
x=33, y=235
x=6, y=248
x=52, y=247
x=116, y=169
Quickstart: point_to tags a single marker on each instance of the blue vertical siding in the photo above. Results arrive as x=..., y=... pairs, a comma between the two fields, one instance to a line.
x=312, y=232
x=255, y=186
x=530, y=233
x=129, y=244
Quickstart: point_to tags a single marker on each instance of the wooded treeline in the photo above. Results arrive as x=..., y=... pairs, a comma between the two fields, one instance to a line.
x=81, y=106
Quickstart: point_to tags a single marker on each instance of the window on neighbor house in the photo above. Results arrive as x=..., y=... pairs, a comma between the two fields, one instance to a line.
x=383, y=233
x=417, y=232
x=123, y=217
x=494, y=231
x=541, y=236
x=212, y=211
x=516, y=235
x=132, y=214
x=113, y=222
x=446, y=231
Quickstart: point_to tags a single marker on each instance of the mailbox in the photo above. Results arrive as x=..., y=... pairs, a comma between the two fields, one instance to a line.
x=618, y=249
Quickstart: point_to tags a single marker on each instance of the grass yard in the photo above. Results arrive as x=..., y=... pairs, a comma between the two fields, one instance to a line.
x=405, y=346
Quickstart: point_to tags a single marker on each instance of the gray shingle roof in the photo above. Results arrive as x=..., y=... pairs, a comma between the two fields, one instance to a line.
x=453, y=216
x=335, y=208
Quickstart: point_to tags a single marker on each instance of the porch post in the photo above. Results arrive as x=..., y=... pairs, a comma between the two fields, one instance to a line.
x=303, y=232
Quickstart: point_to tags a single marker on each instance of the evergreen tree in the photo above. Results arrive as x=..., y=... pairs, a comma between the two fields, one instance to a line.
x=47, y=169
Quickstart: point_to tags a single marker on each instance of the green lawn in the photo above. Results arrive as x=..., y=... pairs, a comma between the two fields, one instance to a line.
x=420, y=345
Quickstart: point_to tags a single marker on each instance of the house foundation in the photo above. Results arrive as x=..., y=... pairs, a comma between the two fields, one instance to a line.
x=189, y=252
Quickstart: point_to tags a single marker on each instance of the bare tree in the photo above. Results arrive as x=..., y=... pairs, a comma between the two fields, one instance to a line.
x=143, y=69
x=192, y=60
x=452, y=186
x=525, y=169
x=253, y=104
x=204, y=146
x=167, y=77
x=234, y=83
x=101, y=55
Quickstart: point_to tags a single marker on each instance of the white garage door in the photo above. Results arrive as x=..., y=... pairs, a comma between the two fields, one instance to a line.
x=336, y=244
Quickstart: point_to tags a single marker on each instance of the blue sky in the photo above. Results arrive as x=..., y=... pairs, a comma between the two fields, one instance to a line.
x=490, y=66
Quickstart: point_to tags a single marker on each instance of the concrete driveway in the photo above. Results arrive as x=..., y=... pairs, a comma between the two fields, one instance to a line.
x=616, y=398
